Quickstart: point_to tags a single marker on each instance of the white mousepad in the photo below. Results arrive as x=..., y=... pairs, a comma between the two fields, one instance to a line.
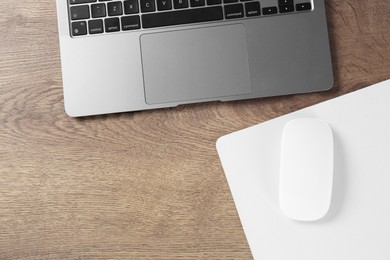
x=357, y=225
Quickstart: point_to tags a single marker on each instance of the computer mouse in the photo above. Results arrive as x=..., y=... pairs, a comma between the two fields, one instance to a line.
x=306, y=169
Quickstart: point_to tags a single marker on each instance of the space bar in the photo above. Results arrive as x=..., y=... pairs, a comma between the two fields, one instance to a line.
x=182, y=17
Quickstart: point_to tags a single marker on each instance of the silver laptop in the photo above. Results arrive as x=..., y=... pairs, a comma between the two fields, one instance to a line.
x=129, y=55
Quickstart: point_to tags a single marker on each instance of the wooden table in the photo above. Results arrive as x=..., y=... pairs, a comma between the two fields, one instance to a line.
x=137, y=185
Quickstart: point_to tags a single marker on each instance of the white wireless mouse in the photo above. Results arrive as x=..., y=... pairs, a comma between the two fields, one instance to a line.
x=306, y=170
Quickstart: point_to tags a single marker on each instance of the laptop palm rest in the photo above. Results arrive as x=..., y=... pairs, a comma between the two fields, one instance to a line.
x=206, y=63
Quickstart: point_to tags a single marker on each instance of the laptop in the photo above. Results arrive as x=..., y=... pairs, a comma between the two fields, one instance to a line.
x=131, y=55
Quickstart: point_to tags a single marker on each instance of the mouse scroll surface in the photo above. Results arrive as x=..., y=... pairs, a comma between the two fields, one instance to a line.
x=306, y=170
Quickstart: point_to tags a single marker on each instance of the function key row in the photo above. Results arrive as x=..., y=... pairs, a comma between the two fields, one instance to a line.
x=75, y=2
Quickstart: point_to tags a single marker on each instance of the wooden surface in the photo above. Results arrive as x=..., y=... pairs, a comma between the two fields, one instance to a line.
x=137, y=185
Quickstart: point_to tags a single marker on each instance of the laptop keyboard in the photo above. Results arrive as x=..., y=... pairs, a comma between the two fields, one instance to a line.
x=108, y=16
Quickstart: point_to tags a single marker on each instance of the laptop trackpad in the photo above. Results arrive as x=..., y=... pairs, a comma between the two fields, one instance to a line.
x=195, y=64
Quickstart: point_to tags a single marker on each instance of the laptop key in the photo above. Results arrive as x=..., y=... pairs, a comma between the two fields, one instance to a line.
x=178, y=4
x=98, y=10
x=229, y=1
x=131, y=6
x=286, y=8
x=79, y=12
x=234, y=11
x=73, y=2
x=130, y=22
x=303, y=7
x=196, y=15
x=164, y=5
x=195, y=3
x=79, y=28
x=112, y=24
x=270, y=10
x=147, y=6
x=252, y=9
x=95, y=26
x=214, y=2
x=114, y=8
x=286, y=2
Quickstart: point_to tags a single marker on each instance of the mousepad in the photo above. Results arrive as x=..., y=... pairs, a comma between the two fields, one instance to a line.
x=357, y=225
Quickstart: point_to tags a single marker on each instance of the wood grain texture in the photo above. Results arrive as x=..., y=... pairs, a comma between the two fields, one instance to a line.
x=137, y=185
